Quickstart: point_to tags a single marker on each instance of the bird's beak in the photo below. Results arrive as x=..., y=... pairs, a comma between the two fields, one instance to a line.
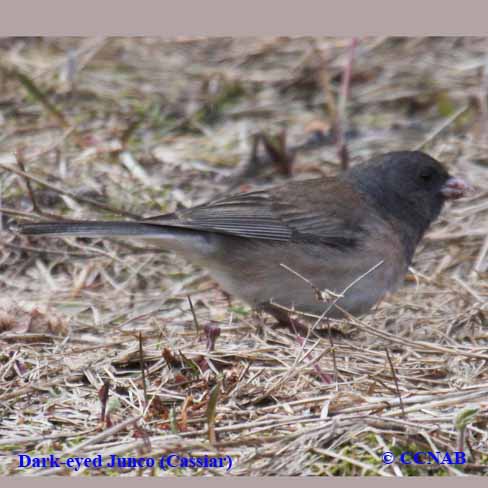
x=455, y=188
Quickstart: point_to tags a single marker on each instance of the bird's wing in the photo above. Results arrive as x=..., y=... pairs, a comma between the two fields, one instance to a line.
x=310, y=210
x=245, y=215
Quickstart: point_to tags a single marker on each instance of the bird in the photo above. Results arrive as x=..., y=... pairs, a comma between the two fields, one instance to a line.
x=352, y=236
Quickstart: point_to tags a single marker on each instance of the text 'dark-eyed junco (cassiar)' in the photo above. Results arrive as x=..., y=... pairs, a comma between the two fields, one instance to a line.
x=263, y=246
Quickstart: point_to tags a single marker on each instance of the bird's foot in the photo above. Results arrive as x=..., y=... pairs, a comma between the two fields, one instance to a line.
x=293, y=325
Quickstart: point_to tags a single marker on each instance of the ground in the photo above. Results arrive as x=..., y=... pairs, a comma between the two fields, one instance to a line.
x=101, y=352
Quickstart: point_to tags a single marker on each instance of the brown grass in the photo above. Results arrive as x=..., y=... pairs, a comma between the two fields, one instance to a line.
x=140, y=126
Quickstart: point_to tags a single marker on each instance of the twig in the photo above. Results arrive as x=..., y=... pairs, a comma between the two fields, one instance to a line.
x=278, y=153
x=17, y=213
x=395, y=379
x=329, y=100
x=143, y=369
x=343, y=293
x=333, y=352
x=341, y=122
x=347, y=459
x=321, y=295
x=70, y=194
x=195, y=320
x=35, y=92
x=317, y=291
x=48, y=251
x=427, y=346
x=212, y=412
x=20, y=161
x=478, y=267
x=103, y=393
x=443, y=125
x=483, y=103
x=78, y=448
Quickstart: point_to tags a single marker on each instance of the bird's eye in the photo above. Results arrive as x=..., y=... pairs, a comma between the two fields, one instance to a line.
x=426, y=176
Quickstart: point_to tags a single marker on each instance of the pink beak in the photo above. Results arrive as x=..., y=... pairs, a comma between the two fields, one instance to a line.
x=455, y=188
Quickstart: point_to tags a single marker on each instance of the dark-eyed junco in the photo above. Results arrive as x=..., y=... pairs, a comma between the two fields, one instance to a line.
x=264, y=245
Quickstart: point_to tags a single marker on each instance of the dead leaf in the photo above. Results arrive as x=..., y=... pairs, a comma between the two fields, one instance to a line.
x=23, y=319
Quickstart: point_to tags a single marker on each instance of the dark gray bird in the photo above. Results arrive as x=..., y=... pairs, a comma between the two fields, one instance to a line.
x=260, y=245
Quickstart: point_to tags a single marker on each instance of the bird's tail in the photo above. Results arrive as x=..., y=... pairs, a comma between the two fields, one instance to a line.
x=92, y=229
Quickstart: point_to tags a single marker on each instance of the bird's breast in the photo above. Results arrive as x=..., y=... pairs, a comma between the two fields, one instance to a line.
x=289, y=274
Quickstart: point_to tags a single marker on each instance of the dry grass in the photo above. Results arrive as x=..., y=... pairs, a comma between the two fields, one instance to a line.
x=144, y=125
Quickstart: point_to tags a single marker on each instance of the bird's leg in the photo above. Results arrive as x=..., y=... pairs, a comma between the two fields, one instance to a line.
x=284, y=320
x=296, y=327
